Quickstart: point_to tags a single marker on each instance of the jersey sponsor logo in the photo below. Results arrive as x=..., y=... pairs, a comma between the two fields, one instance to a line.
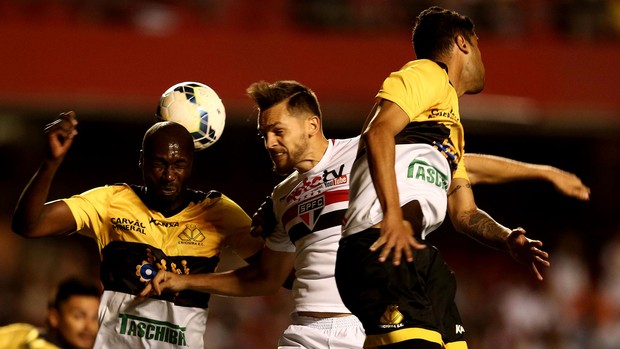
x=310, y=211
x=421, y=170
x=150, y=266
x=127, y=224
x=436, y=113
x=145, y=271
x=150, y=329
x=333, y=177
x=163, y=224
x=329, y=178
x=191, y=235
x=391, y=318
x=459, y=329
x=449, y=152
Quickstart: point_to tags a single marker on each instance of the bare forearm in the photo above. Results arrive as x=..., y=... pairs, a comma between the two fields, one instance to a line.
x=31, y=203
x=484, y=168
x=478, y=225
x=243, y=282
x=489, y=169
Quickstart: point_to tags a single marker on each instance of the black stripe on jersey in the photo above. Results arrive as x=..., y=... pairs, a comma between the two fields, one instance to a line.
x=127, y=267
x=427, y=132
x=194, y=196
x=326, y=220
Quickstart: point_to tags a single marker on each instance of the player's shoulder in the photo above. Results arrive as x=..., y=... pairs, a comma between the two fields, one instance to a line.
x=284, y=186
x=422, y=64
x=108, y=190
x=422, y=69
x=346, y=142
x=199, y=195
x=213, y=198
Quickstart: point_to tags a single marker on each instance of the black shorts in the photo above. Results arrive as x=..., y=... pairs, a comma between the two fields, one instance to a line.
x=398, y=303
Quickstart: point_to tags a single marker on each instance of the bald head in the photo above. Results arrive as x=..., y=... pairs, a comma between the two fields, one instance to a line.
x=167, y=131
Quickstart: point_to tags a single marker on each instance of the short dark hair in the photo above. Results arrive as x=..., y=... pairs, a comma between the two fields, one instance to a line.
x=435, y=30
x=300, y=97
x=73, y=286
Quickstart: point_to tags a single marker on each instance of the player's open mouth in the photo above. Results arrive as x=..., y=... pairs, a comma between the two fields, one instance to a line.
x=277, y=154
x=168, y=190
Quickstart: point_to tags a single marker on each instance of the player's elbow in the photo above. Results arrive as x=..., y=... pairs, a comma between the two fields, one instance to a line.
x=30, y=230
x=19, y=225
x=22, y=229
x=372, y=135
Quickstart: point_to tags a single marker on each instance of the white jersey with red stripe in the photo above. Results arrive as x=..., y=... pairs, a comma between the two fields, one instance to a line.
x=309, y=208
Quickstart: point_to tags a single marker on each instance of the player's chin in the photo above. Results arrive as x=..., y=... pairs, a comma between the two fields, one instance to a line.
x=84, y=341
x=283, y=168
x=168, y=191
x=167, y=197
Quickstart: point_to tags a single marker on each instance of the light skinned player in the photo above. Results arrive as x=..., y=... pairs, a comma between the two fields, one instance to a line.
x=409, y=171
x=290, y=122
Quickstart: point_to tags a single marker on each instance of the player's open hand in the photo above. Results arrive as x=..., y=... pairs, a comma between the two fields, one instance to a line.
x=60, y=134
x=527, y=251
x=164, y=281
x=397, y=239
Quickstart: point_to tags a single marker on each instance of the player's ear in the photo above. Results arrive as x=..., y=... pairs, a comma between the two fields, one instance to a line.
x=314, y=124
x=141, y=159
x=461, y=43
x=53, y=317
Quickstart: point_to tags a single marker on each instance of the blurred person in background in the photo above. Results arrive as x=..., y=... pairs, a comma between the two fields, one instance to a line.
x=302, y=225
x=71, y=320
x=140, y=229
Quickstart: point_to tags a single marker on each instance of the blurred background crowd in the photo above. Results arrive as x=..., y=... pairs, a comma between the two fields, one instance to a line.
x=551, y=97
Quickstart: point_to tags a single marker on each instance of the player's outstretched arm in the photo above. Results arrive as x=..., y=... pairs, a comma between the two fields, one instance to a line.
x=262, y=278
x=33, y=217
x=467, y=218
x=491, y=169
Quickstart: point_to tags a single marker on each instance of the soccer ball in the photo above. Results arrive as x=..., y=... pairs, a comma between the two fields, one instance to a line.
x=197, y=107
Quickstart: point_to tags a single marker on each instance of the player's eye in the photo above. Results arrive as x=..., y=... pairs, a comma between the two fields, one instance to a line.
x=158, y=164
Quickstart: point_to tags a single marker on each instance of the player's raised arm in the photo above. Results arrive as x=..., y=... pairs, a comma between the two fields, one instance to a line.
x=33, y=216
x=491, y=169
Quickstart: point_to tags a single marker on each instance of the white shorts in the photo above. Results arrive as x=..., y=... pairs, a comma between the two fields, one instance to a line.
x=323, y=333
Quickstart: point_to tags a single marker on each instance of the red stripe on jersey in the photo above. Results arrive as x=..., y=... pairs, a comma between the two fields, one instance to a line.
x=331, y=197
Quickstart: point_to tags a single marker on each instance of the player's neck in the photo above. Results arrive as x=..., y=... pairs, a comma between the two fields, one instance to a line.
x=314, y=154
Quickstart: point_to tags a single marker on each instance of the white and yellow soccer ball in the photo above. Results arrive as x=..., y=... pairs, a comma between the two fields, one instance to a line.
x=197, y=107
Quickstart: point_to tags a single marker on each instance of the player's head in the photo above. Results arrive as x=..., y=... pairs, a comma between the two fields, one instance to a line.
x=166, y=160
x=289, y=120
x=73, y=313
x=436, y=35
